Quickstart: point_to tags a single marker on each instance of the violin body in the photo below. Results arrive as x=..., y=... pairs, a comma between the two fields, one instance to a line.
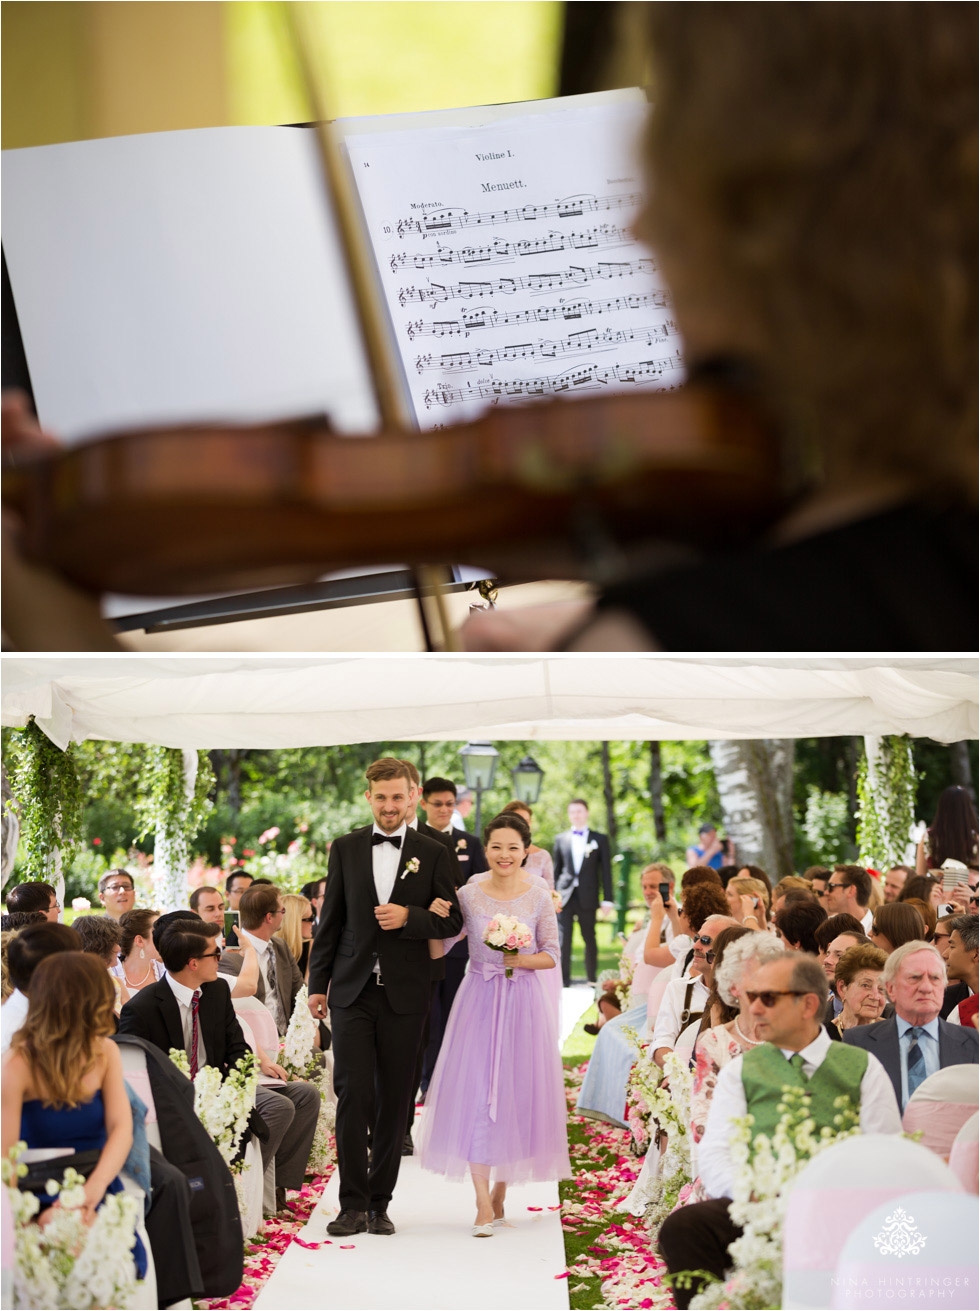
x=525, y=492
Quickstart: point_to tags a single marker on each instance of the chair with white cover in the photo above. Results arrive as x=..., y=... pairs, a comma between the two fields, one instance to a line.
x=941, y=1105
x=655, y=996
x=830, y=1196
x=918, y=1249
x=964, y=1159
x=261, y=1033
x=643, y=977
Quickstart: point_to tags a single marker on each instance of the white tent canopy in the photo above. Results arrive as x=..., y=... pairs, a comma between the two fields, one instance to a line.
x=201, y=702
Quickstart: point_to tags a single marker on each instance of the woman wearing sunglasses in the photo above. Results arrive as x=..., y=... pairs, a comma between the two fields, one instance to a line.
x=296, y=929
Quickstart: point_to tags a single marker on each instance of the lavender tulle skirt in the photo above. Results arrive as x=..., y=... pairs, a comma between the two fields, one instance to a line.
x=497, y=1095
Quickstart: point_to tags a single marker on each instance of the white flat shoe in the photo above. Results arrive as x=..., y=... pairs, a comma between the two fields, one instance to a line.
x=483, y=1231
x=501, y=1222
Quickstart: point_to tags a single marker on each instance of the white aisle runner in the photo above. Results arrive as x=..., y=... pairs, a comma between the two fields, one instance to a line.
x=432, y=1261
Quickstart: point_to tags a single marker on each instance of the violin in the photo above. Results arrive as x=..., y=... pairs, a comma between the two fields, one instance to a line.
x=557, y=489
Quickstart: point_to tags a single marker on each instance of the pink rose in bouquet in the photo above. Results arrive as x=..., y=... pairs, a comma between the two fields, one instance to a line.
x=507, y=935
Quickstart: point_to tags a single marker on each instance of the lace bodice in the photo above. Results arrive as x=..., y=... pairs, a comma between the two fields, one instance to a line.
x=540, y=862
x=715, y=1049
x=534, y=908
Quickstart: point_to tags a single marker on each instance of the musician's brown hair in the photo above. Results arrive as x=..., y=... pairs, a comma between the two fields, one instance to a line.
x=813, y=209
x=71, y=1011
x=387, y=768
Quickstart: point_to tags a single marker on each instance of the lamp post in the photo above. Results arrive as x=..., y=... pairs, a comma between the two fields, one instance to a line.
x=528, y=777
x=479, y=767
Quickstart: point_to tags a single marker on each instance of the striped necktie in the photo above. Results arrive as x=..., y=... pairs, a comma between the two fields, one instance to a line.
x=270, y=966
x=195, y=1033
x=916, y=1059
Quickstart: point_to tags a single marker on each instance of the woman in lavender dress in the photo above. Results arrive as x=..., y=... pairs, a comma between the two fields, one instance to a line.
x=538, y=861
x=496, y=1102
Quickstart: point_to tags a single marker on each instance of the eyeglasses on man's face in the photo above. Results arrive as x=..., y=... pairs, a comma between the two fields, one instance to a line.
x=769, y=998
x=210, y=955
x=118, y=887
x=832, y=886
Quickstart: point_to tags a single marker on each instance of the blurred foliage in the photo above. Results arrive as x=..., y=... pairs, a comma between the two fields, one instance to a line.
x=276, y=811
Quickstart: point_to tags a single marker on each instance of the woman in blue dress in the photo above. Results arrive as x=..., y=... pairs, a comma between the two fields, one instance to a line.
x=63, y=1080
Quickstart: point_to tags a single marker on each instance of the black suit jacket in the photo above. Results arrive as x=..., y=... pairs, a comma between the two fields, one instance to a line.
x=349, y=939
x=957, y=1046
x=596, y=869
x=469, y=851
x=153, y=1014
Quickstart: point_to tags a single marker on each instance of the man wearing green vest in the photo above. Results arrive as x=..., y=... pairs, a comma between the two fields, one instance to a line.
x=788, y=996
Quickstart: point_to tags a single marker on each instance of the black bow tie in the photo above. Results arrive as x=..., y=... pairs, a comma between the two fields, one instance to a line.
x=378, y=838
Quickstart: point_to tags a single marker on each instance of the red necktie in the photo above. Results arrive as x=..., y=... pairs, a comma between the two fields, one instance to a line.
x=195, y=1001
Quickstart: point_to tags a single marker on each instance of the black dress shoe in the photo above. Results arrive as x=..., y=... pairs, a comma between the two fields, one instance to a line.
x=408, y=1147
x=348, y=1223
x=591, y=1028
x=280, y=1199
x=378, y=1223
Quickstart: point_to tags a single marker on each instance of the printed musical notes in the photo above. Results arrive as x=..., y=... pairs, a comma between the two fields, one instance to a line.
x=424, y=192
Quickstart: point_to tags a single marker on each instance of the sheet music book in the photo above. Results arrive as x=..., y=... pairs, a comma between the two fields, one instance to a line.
x=197, y=275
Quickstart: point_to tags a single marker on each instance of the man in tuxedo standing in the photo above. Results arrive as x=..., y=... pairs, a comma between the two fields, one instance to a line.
x=582, y=859
x=371, y=950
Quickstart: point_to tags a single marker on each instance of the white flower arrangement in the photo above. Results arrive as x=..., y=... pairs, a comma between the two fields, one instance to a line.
x=223, y=1105
x=68, y=1264
x=507, y=935
x=411, y=866
x=300, y=1057
x=763, y=1168
x=659, y=1105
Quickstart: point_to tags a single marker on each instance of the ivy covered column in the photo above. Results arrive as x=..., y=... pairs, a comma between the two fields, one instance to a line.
x=172, y=805
x=886, y=802
x=48, y=797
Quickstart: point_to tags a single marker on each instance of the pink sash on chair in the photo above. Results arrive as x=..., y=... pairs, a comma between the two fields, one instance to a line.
x=656, y=995
x=939, y=1123
x=257, y=1024
x=643, y=977
x=963, y=1159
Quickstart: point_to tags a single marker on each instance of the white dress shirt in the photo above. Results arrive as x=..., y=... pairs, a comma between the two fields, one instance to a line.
x=867, y=919
x=270, y=1000
x=184, y=997
x=579, y=842
x=668, y=1026
x=879, y=1111
x=928, y=1046
x=13, y=1013
x=385, y=860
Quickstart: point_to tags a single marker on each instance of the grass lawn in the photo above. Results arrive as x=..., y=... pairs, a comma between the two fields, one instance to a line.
x=610, y=949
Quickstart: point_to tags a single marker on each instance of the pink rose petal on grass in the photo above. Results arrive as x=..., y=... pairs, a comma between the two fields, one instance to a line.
x=347, y=1247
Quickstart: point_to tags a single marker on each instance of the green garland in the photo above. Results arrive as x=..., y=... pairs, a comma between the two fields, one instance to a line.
x=162, y=806
x=886, y=809
x=45, y=785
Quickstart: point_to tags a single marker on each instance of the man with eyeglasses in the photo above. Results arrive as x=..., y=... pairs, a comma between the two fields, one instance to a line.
x=117, y=892
x=848, y=893
x=191, y=1009
x=787, y=999
x=34, y=896
x=684, y=998
x=261, y=911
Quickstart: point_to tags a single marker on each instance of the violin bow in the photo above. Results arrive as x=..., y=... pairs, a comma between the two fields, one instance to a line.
x=430, y=580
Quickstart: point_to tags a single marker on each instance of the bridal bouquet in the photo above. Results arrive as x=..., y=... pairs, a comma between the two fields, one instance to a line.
x=506, y=934
x=763, y=1169
x=299, y=1055
x=69, y=1264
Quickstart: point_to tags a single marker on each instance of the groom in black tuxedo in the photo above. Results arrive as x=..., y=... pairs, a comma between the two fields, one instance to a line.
x=372, y=951
x=582, y=865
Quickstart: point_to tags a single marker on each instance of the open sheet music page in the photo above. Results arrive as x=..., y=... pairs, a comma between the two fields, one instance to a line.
x=507, y=260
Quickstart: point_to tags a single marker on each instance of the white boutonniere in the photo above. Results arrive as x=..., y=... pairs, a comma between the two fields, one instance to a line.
x=590, y=847
x=411, y=866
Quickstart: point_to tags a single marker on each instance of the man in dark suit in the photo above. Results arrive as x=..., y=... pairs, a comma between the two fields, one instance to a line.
x=261, y=911
x=582, y=861
x=191, y=1010
x=371, y=950
x=915, y=1042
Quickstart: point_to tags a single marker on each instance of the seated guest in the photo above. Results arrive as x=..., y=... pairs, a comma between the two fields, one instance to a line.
x=748, y=902
x=685, y=998
x=797, y=923
x=139, y=961
x=164, y=1013
x=718, y=1011
x=915, y=1042
x=634, y=948
x=755, y=872
x=961, y=967
x=786, y=1000
x=34, y=896
x=296, y=930
x=209, y=904
x=261, y=913
x=848, y=892
x=792, y=883
x=666, y=955
x=895, y=880
x=833, y=937
x=117, y=892
x=603, y=1092
x=940, y=936
x=101, y=936
x=24, y=954
x=818, y=876
x=63, y=1082
x=313, y=892
x=857, y=979
x=895, y=924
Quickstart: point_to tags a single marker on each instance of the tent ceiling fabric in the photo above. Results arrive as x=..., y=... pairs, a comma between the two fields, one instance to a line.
x=307, y=701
